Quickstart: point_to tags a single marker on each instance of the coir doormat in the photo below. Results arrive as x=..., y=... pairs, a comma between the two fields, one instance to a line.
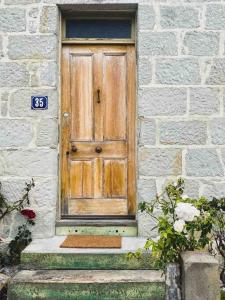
x=91, y=241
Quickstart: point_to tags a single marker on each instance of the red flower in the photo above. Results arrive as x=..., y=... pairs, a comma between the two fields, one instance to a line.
x=28, y=213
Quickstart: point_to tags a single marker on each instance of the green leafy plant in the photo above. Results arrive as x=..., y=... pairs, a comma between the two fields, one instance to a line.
x=183, y=224
x=23, y=236
x=216, y=208
x=7, y=208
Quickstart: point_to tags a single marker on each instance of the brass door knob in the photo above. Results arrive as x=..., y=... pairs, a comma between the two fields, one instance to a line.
x=74, y=148
x=98, y=149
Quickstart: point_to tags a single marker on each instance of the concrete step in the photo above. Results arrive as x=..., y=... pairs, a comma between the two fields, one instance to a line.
x=47, y=254
x=87, y=285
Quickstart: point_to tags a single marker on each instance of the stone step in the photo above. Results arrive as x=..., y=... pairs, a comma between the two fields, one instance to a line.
x=87, y=285
x=47, y=254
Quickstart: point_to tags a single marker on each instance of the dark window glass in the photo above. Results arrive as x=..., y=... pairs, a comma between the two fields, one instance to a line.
x=98, y=28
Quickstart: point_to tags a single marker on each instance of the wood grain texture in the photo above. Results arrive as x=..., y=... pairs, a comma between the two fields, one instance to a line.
x=115, y=176
x=99, y=94
x=114, y=91
x=81, y=79
x=65, y=130
x=109, y=149
x=131, y=129
x=100, y=207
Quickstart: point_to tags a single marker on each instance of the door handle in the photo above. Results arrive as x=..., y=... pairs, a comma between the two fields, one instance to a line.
x=98, y=96
x=98, y=149
x=74, y=148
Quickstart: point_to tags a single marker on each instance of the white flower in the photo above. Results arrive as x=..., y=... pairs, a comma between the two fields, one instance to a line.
x=156, y=239
x=179, y=225
x=175, y=184
x=184, y=197
x=186, y=211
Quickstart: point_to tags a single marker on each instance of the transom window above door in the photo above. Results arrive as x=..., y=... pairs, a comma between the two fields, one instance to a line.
x=99, y=29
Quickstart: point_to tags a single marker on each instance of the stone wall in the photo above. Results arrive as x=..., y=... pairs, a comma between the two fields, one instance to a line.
x=29, y=139
x=181, y=123
x=181, y=78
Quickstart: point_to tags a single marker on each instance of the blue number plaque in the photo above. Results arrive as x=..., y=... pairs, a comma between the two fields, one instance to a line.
x=39, y=102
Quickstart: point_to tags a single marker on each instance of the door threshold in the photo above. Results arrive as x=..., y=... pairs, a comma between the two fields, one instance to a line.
x=124, y=227
x=96, y=222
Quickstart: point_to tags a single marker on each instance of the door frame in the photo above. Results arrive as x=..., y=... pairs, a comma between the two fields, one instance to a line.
x=134, y=118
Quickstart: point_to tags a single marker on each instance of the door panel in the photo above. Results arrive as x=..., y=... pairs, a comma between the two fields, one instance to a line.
x=81, y=79
x=98, y=131
x=115, y=178
x=114, y=91
x=98, y=207
x=81, y=179
x=76, y=179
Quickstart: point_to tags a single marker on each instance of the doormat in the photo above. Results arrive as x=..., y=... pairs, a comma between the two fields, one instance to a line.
x=91, y=241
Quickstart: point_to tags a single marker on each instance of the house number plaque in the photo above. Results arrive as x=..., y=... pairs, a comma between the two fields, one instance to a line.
x=39, y=102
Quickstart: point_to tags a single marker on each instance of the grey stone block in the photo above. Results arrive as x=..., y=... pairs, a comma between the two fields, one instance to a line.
x=1, y=46
x=31, y=162
x=47, y=133
x=21, y=2
x=183, y=132
x=4, y=104
x=159, y=162
x=162, y=101
x=201, y=43
x=213, y=189
x=44, y=194
x=146, y=17
x=147, y=132
x=173, y=284
x=146, y=189
x=14, y=133
x=13, y=74
x=200, y=276
x=215, y=16
x=49, y=19
x=157, y=43
x=26, y=46
x=204, y=101
x=191, y=188
x=21, y=107
x=177, y=71
x=12, y=19
x=4, y=109
x=44, y=223
x=48, y=74
x=144, y=71
x=217, y=131
x=146, y=225
x=4, y=96
x=203, y=162
x=199, y=1
x=13, y=189
x=223, y=156
x=33, y=25
x=34, y=12
x=179, y=17
x=217, y=72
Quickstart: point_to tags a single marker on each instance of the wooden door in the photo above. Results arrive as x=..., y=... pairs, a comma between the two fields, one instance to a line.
x=98, y=131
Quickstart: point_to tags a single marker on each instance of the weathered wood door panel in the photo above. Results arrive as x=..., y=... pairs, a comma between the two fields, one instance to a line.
x=98, y=131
